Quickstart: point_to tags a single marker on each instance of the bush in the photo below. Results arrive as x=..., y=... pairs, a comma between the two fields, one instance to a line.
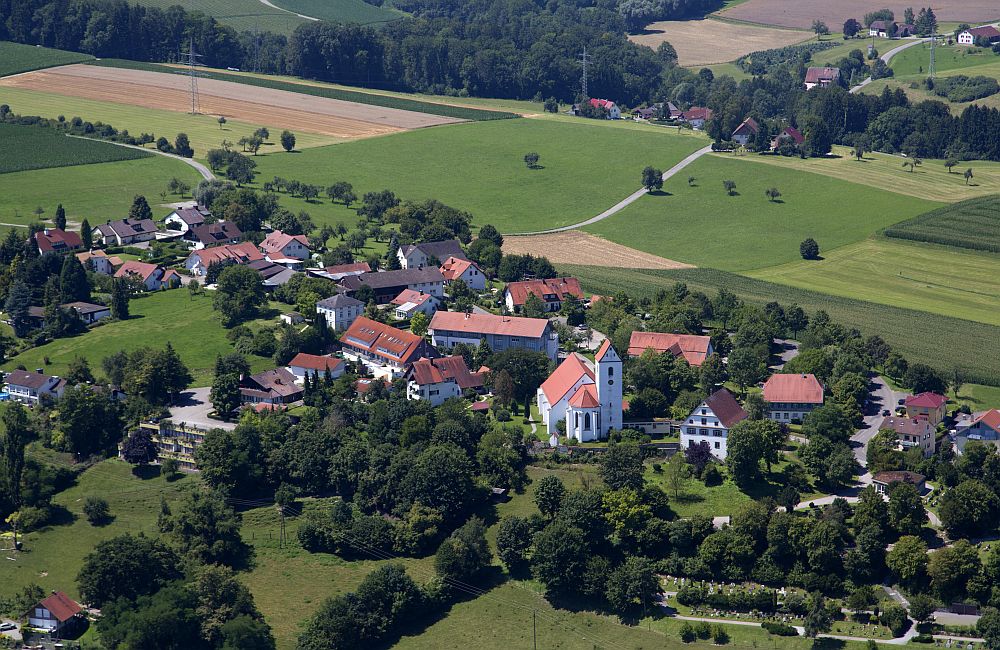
x=779, y=629
x=687, y=633
x=703, y=630
x=923, y=638
x=711, y=476
x=97, y=510
x=169, y=468
x=720, y=636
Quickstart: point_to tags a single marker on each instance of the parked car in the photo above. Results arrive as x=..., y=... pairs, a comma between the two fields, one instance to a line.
x=901, y=401
x=7, y=627
x=885, y=413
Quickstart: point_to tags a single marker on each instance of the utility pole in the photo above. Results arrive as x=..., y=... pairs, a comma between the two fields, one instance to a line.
x=534, y=637
x=930, y=68
x=585, y=60
x=192, y=62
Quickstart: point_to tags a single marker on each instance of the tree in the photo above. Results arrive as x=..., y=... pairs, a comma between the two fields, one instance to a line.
x=86, y=235
x=988, y=627
x=749, y=442
x=139, y=448
x=531, y=160
x=817, y=620
x=906, y=509
x=79, y=371
x=969, y=509
x=951, y=568
x=922, y=607
x=908, y=561
x=559, y=559
x=621, y=466
x=182, y=146
x=222, y=121
x=491, y=234
x=632, y=584
x=239, y=294
x=96, y=510
x=851, y=28
x=73, y=285
x=206, y=529
x=730, y=187
x=127, y=566
x=949, y=164
x=514, y=542
x=746, y=367
x=533, y=307
x=225, y=394
x=968, y=175
x=913, y=163
x=140, y=209
x=820, y=28
x=119, y=298
x=675, y=474
x=15, y=434
x=419, y=323
x=652, y=179
x=551, y=105
x=60, y=218
x=464, y=554
x=240, y=169
x=16, y=308
x=772, y=194
x=809, y=249
x=288, y=141
x=222, y=598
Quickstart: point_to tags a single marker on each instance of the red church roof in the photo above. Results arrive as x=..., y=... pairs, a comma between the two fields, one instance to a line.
x=585, y=397
x=565, y=377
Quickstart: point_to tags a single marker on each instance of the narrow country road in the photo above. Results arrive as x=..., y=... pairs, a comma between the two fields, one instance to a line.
x=205, y=172
x=621, y=205
x=267, y=3
x=887, y=57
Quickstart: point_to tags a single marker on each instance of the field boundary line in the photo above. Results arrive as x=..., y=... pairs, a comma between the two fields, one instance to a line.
x=205, y=172
x=736, y=21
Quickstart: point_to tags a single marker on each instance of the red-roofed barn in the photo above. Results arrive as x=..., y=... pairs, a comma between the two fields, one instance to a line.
x=791, y=397
x=694, y=349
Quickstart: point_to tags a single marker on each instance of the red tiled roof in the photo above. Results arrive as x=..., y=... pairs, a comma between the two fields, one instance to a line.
x=457, y=321
x=899, y=477
x=480, y=406
x=802, y=389
x=315, y=362
x=988, y=31
x=602, y=103
x=242, y=253
x=354, y=268
x=61, y=606
x=57, y=239
x=411, y=295
x=693, y=348
x=558, y=288
x=565, y=377
x=453, y=268
x=362, y=386
x=788, y=132
x=697, y=113
x=603, y=350
x=909, y=426
x=927, y=400
x=815, y=75
x=585, y=397
x=435, y=371
x=990, y=418
x=384, y=341
x=726, y=408
x=276, y=241
x=134, y=267
x=750, y=124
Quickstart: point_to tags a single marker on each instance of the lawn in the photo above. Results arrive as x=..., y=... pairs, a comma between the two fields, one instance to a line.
x=24, y=148
x=915, y=60
x=342, y=11
x=16, y=58
x=912, y=275
x=479, y=167
x=188, y=323
x=930, y=180
x=979, y=397
x=972, y=224
x=941, y=341
x=702, y=225
x=53, y=556
x=203, y=130
x=96, y=192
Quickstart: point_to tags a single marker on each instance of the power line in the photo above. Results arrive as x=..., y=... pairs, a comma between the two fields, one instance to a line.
x=192, y=61
x=585, y=60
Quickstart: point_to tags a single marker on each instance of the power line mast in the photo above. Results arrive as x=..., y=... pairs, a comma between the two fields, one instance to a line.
x=585, y=60
x=931, y=67
x=191, y=59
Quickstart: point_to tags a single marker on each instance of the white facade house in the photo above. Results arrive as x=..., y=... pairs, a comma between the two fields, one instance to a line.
x=314, y=365
x=438, y=380
x=280, y=246
x=711, y=421
x=185, y=218
x=414, y=256
x=409, y=303
x=449, y=328
x=790, y=398
x=467, y=271
x=29, y=387
x=587, y=398
x=54, y=613
x=340, y=311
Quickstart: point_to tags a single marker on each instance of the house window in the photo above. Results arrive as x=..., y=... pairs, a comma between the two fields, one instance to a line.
x=704, y=432
x=704, y=422
x=717, y=444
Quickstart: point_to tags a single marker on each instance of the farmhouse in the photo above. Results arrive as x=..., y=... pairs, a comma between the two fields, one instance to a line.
x=449, y=328
x=929, y=406
x=88, y=312
x=184, y=219
x=746, y=131
x=57, y=240
x=152, y=276
x=429, y=254
x=694, y=349
x=437, y=380
x=912, y=432
x=124, y=232
x=975, y=35
x=788, y=134
x=219, y=233
x=199, y=260
x=552, y=292
x=792, y=397
x=388, y=284
x=410, y=302
x=387, y=351
x=696, y=116
x=902, y=31
x=454, y=269
x=276, y=386
x=99, y=262
x=340, y=310
x=884, y=480
x=588, y=398
x=29, y=387
x=710, y=422
x=822, y=77
x=55, y=614
x=882, y=28
x=279, y=246
x=312, y=364
x=656, y=110
x=614, y=113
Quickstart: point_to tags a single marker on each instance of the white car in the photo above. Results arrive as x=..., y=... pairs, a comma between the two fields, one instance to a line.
x=7, y=627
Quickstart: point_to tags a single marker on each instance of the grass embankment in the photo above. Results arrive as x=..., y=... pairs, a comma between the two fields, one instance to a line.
x=941, y=341
x=972, y=224
x=702, y=225
x=188, y=322
x=23, y=148
x=16, y=58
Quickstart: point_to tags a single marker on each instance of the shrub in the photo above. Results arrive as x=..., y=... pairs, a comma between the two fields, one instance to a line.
x=779, y=629
x=687, y=633
x=711, y=476
x=703, y=630
x=97, y=511
x=720, y=636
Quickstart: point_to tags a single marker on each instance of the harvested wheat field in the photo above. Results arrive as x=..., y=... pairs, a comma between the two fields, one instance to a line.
x=702, y=42
x=277, y=108
x=801, y=13
x=576, y=247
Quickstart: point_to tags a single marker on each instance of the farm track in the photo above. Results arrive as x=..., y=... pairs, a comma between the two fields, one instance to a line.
x=577, y=247
x=205, y=172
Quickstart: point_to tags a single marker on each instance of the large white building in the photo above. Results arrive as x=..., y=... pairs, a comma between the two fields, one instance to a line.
x=711, y=421
x=588, y=398
x=790, y=398
x=449, y=328
x=340, y=310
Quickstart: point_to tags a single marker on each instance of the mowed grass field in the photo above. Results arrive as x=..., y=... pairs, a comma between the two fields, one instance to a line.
x=801, y=13
x=16, y=58
x=188, y=322
x=920, y=94
x=915, y=60
x=96, y=192
x=930, y=180
x=342, y=11
x=927, y=277
x=24, y=148
x=702, y=225
x=479, y=167
x=244, y=15
x=973, y=224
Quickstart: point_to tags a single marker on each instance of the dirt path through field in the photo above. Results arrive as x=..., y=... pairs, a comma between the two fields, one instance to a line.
x=576, y=247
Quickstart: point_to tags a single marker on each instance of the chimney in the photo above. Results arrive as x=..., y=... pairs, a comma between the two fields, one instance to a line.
x=39, y=371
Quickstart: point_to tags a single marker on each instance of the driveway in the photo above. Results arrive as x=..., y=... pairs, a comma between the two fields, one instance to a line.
x=882, y=397
x=13, y=635
x=193, y=407
x=789, y=350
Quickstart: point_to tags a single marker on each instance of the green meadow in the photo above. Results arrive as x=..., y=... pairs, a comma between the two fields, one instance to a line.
x=23, y=148
x=343, y=11
x=16, y=58
x=916, y=60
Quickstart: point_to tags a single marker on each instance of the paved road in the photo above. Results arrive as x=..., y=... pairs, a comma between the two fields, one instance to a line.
x=887, y=57
x=205, y=172
x=621, y=205
x=882, y=398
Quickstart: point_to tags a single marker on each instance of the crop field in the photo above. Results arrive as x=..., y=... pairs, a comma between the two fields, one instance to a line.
x=244, y=15
x=929, y=181
x=577, y=247
x=714, y=41
x=915, y=60
x=973, y=224
x=702, y=225
x=33, y=147
x=16, y=58
x=96, y=192
x=943, y=342
x=342, y=11
x=585, y=168
x=929, y=278
x=801, y=13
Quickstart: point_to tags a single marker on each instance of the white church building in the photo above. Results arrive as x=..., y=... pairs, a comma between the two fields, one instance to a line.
x=588, y=398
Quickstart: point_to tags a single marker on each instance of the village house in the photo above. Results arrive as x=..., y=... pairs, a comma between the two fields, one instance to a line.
x=438, y=380
x=883, y=481
x=788, y=134
x=791, y=397
x=57, y=240
x=340, y=310
x=99, y=262
x=455, y=268
x=338, y=272
x=388, y=284
x=198, y=261
x=386, y=351
x=822, y=77
x=29, y=387
x=984, y=425
x=972, y=36
x=414, y=256
x=313, y=364
x=552, y=292
x=56, y=615
x=746, y=131
x=613, y=111
x=219, y=233
x=185, y=218
x=277, y=386
x=692, y=348
x=88, y=312
x=696, y=116
x=902, y=31
x=587, y=398
x=929, y=406
x=882, y=29
x=278, y=246
x=410, y=302
x=710, y=422
x=913, y=432
x=152, y=276
x=124, y=232
x=449, y=328
x=272, y=275
x=177, y=440
x=653, y=112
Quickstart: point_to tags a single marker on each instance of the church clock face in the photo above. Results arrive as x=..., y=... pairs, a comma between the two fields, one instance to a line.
x=611, y=382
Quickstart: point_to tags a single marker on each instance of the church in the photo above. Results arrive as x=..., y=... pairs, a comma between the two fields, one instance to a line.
x=587, y=397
